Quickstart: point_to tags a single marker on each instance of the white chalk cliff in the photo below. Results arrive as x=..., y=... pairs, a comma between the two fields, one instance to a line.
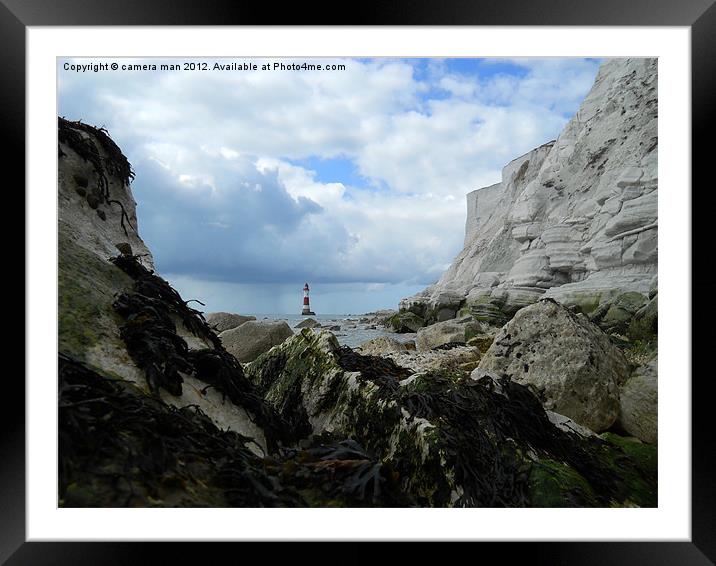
x=574, y=219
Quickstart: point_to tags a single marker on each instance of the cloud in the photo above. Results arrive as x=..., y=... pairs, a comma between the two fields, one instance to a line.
x=233, y=169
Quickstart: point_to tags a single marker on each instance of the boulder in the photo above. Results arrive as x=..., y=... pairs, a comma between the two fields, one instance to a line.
x=253, y=338
x=406, y=321
x=445, y=314
x=382, y=345
x=621, y=311
x=308, y=323
x=567, y=359
x=645, y=324
x=226, y=320
x=383, y=317
x=440, y=333
x=481, y=341
x=638, y=403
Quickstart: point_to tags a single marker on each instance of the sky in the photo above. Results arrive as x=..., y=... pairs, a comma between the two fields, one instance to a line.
x=250, y=183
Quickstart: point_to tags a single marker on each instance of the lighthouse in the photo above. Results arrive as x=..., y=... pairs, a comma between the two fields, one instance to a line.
x=306, y=305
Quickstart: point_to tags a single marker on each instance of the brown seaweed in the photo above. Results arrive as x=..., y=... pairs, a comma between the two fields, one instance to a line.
x=80, y=137
x=119, y=447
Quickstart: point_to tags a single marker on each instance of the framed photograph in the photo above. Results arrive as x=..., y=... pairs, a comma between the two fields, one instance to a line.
x=393, y=280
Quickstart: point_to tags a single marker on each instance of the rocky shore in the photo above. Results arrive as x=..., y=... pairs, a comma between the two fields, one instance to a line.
x=526, y=377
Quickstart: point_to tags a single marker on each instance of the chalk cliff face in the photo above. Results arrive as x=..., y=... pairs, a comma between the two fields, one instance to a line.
x=574, y=219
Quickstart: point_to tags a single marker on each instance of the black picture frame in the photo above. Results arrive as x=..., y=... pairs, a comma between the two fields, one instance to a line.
x=699, y=15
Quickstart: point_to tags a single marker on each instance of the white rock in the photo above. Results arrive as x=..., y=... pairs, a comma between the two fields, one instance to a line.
x=570, y=362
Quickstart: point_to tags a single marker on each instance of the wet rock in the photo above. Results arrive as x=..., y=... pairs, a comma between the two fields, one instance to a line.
x=252, y=338
x=308, y=323
x=406, y=321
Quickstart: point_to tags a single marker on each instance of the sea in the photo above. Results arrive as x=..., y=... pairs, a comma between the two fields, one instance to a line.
x=346, y=336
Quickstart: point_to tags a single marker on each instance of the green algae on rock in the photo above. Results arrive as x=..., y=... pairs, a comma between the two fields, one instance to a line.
x=86, y=288
x=406, y=321
x=453, y=441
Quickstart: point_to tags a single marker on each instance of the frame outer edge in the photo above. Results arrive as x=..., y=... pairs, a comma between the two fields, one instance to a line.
x=12, y=110
x=12, y=441
x=703, y=123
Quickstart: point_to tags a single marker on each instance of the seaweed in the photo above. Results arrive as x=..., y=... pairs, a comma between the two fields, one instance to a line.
x=467, y=415
x=342, y=471
x=384, y=372
x=116, y=162
x=448, y=346
x=150, y=335
x=158, y=291
x=487, y=430
x=80, y=137
x=119, y=447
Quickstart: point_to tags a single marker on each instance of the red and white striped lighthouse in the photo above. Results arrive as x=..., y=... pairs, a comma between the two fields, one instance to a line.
x=306, y=305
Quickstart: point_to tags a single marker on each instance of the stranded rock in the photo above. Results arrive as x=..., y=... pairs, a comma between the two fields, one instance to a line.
x=638, y=414
x=449, y=331
x=248, y=341
x=308, y=323
x=574, y=368
x=226, y=320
